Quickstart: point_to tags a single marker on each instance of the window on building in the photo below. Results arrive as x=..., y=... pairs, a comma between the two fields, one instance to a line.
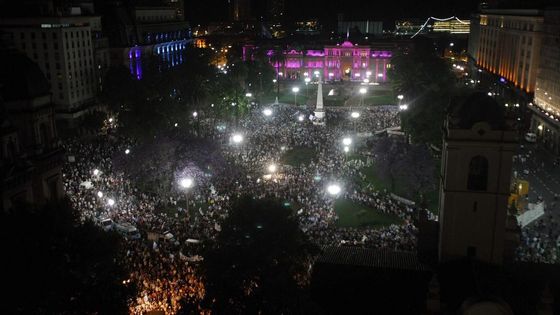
x=478, y=174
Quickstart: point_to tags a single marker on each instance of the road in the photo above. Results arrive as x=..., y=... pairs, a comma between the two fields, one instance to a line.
x=543, y=175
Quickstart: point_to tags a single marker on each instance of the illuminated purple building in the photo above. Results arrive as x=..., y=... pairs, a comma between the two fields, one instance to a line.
x=344, y=61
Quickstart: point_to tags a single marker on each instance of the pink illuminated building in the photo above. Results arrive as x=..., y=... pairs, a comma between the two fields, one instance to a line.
x=344, y=61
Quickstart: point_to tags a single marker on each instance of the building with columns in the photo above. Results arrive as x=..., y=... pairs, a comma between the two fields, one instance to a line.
x=346, y=61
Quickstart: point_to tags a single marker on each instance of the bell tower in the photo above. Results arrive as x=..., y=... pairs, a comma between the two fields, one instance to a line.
x=478, y=147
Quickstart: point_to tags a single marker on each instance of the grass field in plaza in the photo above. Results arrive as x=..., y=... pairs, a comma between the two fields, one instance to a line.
x=351, y=214
x=298, y=156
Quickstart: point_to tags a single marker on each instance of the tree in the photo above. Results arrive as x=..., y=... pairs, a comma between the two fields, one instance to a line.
x=388, y=161
x=54, y=264
x=418, y=171
x=257, y=260
x=429, y=85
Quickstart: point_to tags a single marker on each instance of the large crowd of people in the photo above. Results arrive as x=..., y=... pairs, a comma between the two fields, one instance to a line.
x=118, y=178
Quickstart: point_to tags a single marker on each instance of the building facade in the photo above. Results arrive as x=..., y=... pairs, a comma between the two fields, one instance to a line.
x=159, y=32
x=477, y=156
x=545, y=122
x=63, y=49
x=344, y=61
x=509, y=45
x=31, y=155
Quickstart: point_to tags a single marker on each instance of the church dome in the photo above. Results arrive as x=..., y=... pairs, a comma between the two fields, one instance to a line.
x=20, y=77
x=479, y=107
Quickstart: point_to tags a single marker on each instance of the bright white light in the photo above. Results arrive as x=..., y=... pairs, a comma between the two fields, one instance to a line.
x=540, y=127
x=368, y=73
x=347, y=141
x=186, y=182
x=331, y=74
x=274, y=80
x=280, y=74
x=305, y=74
x=237, y=138
x=346, y=149
x=195, y=114
x=110, y=119
x=267, y=111
x=110, y=202
x=95, y=172
x=301, y=117
x=333, y=189
x=307, y=80
x=380, y=75
x=489, y=93
x=249, y=94
x=451, y=44
x=295, y=89
x=403, y=107
x=355, y=115
x=127, y=151
x=316, y=72
x=272, y=168
x=176, y=124
x=363, y=90
x=400, y=97
x=366, y=80
x=100, y=194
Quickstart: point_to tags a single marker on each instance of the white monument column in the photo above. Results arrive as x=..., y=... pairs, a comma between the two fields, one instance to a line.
x=319, y=111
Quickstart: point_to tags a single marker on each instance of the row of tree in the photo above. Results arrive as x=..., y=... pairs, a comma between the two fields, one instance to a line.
x=166, y=96
x=430, y=88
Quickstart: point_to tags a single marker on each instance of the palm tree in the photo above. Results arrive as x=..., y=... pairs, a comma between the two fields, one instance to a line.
x=277, y=59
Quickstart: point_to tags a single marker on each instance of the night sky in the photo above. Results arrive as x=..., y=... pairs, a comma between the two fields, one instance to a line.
x=386, y=10
x=216, y=10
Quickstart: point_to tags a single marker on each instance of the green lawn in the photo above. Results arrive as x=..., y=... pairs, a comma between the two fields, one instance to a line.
x=432, y=197
x=298, y=156
x=351, y=214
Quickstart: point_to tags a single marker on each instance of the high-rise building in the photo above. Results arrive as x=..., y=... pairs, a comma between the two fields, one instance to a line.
x=31, y=156
x=509, y=44
x=478, y=147
x=546, y=116
x=63, y=49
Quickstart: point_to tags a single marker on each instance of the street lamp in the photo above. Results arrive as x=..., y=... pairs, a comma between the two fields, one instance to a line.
x=267, y=112
x=248, y=94
x=363, y=91
x=272, y=168
x=237, y=138
x=100, y=194
x=295, y=89
x=403, y=107
x=307, y=80
x=186, y=183
x=110, y=202
x=194, y=114
x=346, y=149
x=347, y=141
x=355, y=115
x=334, y=189
x=127, y=151
x=301, y=117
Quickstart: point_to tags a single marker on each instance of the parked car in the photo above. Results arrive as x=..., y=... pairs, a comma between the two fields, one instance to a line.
x=106, y=223
x=128, y=230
